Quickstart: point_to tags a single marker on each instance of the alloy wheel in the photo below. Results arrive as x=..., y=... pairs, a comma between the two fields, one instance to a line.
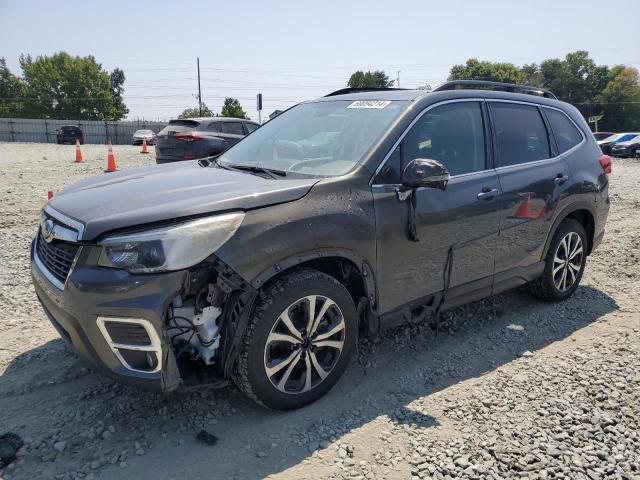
x=567, y=261
x=304, y=344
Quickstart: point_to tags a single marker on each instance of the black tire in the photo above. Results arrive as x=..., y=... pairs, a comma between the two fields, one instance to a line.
x=546, y=286
x=250, y=370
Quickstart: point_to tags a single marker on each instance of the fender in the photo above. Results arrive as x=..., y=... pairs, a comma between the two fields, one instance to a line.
x=363, y=266
x=564, y=213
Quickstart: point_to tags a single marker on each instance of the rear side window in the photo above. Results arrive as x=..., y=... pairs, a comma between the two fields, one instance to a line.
x=521, y=135
x=565, y=132
x=214, y=127
x=251, y=127
x=234, y=128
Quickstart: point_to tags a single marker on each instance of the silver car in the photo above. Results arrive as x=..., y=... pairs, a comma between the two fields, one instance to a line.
x=140, y=135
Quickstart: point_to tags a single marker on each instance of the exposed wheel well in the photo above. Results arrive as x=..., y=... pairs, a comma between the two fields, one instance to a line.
x=340, y=268
x=586, y=219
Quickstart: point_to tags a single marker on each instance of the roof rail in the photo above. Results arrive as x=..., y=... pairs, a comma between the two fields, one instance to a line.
x=506, y=87
x=344, y=91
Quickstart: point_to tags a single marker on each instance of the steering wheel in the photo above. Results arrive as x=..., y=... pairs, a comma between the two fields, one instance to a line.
x=297, y=166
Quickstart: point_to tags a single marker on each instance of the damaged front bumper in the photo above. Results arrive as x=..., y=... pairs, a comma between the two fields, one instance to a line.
x=116, y=321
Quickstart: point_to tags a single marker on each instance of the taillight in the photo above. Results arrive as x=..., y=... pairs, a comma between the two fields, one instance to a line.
x=605, y=163
x=188, y=137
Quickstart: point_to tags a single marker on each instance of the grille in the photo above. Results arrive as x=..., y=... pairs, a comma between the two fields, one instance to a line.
x=56, y=256
x=127, y=333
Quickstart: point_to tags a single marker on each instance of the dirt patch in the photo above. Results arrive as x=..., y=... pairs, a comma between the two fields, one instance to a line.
x=516, y=388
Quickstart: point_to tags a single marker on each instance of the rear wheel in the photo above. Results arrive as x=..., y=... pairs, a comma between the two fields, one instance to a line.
x=564, y=263
x=298, y=342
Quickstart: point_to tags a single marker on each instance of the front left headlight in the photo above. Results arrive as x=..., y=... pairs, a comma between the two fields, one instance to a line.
x=170, y=248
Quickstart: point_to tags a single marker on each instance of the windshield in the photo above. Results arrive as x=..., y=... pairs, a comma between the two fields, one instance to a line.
x=143, y=132
x=320, y=139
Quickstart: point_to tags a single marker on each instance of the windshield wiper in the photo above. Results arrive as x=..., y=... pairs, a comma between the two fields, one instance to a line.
x=275, y=174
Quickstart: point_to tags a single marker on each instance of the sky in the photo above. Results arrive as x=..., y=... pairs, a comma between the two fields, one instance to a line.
x=296, y=50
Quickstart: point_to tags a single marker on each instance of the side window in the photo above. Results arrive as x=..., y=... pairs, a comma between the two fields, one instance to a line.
x=452, y=134
x=234, y=128
x=251, y=127
x=214, y=127
x=565, y=132
x=521, y=134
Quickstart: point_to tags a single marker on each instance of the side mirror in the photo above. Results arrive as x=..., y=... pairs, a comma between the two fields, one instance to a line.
x=425, y=172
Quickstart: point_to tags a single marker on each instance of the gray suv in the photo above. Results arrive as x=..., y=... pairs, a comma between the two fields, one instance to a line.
x=341, y=217
x=195, y=138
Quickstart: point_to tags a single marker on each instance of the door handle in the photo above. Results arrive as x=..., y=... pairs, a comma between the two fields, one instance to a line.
x=487, y=193
x=561, y=178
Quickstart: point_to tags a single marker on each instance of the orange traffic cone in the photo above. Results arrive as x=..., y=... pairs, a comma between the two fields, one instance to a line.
x=111, y=159
x=78, y=152
x=144, y=146
x=524, y=210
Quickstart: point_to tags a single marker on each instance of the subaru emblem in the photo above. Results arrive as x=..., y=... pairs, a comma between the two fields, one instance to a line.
x=46, y=229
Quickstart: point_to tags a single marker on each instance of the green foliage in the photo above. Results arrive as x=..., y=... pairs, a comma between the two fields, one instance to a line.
x=62, y=86
x=232, y=108
x=376, y=79
x=620, y=99
x=11, y=92
x=195, y=112
x=576, y=79
x=489, y=71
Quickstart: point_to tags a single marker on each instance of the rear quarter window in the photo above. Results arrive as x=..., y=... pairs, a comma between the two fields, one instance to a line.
x=565, y=132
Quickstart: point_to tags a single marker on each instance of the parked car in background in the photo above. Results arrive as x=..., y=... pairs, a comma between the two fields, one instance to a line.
x=342, y=216
x=626, y=148
x=69, y=134
x=608, y=143
x=193, y=138
x=140, y=135
x=602, y=135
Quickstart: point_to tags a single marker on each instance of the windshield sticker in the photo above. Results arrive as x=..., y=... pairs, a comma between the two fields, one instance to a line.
x=369, y=104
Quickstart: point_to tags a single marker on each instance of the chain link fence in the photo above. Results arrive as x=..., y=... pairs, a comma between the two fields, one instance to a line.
x=95, y=131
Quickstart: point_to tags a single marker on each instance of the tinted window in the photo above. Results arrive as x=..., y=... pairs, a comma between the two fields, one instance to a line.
x=452, y=134
x=251, y=127
x=520, y=133
x=565, y=132
x=214, y=127
x=234, y=128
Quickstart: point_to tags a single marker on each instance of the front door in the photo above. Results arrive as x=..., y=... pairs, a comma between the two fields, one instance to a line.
x=460, y=222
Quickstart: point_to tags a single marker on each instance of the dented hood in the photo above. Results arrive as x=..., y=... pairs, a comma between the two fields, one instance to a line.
x=152, y=194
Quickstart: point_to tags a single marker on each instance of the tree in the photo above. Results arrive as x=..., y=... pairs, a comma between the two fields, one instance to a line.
x=195, y=112
x=576, y=79
x=620, y=100
x=376, y=79
x=232, y=108
x=11, y=92
x=62, y=86
x=489, y=71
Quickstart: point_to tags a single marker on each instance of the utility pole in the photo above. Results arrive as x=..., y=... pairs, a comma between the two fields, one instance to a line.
x=398, y=80
x=199, y=91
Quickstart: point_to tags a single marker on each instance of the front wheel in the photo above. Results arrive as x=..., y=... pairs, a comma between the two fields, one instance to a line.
x=564, y=263
x=299, y=340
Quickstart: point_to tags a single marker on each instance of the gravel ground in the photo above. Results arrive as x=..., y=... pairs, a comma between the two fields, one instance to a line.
x=513, y=388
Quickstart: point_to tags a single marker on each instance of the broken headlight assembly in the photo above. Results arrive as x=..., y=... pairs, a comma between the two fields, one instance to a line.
x=169, y=248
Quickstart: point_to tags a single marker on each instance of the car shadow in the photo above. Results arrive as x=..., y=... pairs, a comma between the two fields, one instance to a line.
x=388, y=376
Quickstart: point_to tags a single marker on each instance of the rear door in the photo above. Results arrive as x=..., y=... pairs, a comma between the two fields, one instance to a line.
x=533, y=178
x=458, y=226
x=167, y=143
